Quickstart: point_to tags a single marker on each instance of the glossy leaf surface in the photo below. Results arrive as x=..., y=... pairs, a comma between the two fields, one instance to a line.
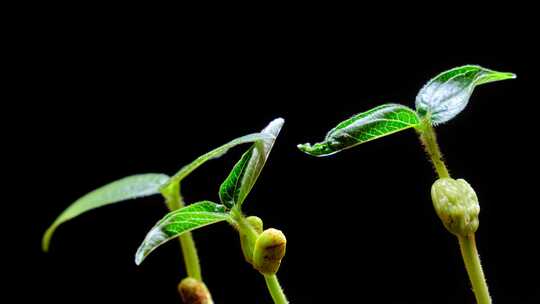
x=446, y=95
x=180, y=221
x=230, y=188
x=170, y=185
x=375, y=123
x=130, y=187
x=243, y=176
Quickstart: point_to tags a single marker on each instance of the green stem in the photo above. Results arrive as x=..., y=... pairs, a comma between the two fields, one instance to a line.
x=191, y=258
x=244, y=227
x=272, y=282
x=174, y=201
x=474, y=268
x=467, y=243
x=275, y=289
x=429, y=139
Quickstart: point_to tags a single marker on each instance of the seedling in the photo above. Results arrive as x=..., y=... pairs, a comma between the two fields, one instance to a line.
x=262, y=249
x=440, y=100
x=183, y=219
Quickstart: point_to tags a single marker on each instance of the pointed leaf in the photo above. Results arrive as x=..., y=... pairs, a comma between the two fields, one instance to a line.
x=180, y=221
x=230, y=188
x=170, y=185
x=446, y=95
x=238, y=184
x=377, y=122
x=126, y=188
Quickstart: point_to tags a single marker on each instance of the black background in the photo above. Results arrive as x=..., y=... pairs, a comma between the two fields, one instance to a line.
x=120, y=94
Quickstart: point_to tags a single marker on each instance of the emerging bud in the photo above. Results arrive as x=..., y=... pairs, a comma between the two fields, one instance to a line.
x=456, y=205
x=269, y=250
x=193, y=291
x=247, y=247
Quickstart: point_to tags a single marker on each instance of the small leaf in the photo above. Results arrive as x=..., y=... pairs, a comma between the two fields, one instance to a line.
x=446, y=95
x=180, y=221
x=126, y=188
x=377, y=122
x=230, y=188
x=170, y=185
x=238, y=184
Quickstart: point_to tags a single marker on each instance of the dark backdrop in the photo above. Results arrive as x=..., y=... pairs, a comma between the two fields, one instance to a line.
x=115, y=98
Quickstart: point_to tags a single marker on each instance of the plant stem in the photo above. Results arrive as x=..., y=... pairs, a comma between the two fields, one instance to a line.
x=429, y=140
x=244, y=227
x=275, y=289
x=191, y=258
x=174, y=201
x=467, y=243
x=474, y=268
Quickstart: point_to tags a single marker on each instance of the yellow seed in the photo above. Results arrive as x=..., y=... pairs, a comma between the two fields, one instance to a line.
x=269, y=250
x=193, y=291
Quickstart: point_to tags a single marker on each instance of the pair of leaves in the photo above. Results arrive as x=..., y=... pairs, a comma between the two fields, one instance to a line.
x=440, y=100
x=141, y=185
x=232, y=192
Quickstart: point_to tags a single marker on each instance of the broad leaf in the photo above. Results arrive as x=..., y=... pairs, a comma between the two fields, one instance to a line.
x=238, y=184
x=126, y=188
x=375, y=123
x=170, y=185
x=446, y=95
x=175, y=223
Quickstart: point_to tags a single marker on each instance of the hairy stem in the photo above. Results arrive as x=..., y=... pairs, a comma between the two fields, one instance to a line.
x=474, y=268
x=244, y=226
x=429, y=140
x=191, y=258
x=275, y=289
x=174, y=201
x=272, y=283
x=466, y=243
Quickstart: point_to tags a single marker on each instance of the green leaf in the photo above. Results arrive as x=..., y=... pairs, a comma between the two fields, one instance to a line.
x=238, y=184
x=446, y=95
x=375, y=123
x=229, y=190
x=180, y=221
x=169, y=187
x=123, y=189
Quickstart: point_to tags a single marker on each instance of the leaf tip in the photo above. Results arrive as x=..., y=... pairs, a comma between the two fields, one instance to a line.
x=153, y=239
x=279, y=120
x=505, y=75
x=45, y=246
x=46, y=240
x=318, y=149
x=492, y=76
x=140, y=256
x=304, y=147
x=510, y=75
x=274, y=127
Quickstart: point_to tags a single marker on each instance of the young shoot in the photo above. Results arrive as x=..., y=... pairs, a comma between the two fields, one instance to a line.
x=142, y=185
x=440, y=100
x=263, y=249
